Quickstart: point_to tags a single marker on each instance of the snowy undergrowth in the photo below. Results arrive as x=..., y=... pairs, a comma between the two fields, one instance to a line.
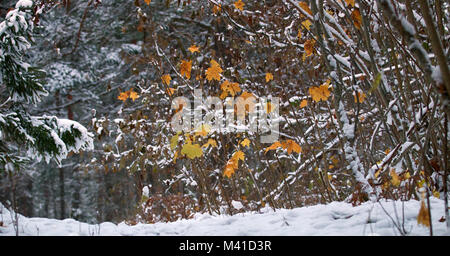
x=337, y=218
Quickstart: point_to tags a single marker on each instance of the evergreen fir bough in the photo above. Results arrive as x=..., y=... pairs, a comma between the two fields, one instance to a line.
x=41, y=137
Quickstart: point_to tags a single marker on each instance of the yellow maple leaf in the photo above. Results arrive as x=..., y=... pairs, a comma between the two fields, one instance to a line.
x=210, y=142
x=245, y=142
x=133, y=95
x=239, y=5
x=305, y=7
x=307, y=24
x=192, y=150
x=303, y=103
x=185, y=68
x=357, y=19
x=309, y=47
x=395, y=179
x=274, y=146
x=166, y=79
x=319, y=93
x=193, y=48
x=123, y=96
x=214, y=71
x=148, y=2
x=299, y=34
x=269, y=77
x=174, y=141
x=290, y=146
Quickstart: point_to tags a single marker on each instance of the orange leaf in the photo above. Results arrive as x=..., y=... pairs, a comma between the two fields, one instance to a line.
x=319, y=93
x=361, y=97
x=170, y=91
x=309, y=47
x=239, y=5
x=350, y=2
x=166, y=79
x=133, y=95
x=123, y=96
x=148, y=2
x=423, y=218
x=245, y=95
x=304, y=103
x=274, y=146
x=291, y=145
x=185, y=68
x=305, y=7
x=216, y=8
x=357, y=19
x=193, y=48
x=238, y=155
x=269, y=77
x=214, y=71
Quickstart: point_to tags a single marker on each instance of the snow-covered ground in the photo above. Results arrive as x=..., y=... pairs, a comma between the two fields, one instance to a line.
x=337, y=218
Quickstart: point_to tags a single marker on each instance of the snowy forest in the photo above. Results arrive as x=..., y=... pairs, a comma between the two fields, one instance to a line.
x=143, y=112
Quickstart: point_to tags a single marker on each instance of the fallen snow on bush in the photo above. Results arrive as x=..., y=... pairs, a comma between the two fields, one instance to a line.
x=337, y=218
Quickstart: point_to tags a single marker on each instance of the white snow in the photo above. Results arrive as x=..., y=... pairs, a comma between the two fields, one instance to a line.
x=24, y=3
x=336, y=218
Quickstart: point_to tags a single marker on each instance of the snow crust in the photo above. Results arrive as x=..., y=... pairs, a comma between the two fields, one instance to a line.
x=337, y=219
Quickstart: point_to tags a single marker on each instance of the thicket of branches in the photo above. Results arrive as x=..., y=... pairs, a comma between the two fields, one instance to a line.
x=364, y=101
